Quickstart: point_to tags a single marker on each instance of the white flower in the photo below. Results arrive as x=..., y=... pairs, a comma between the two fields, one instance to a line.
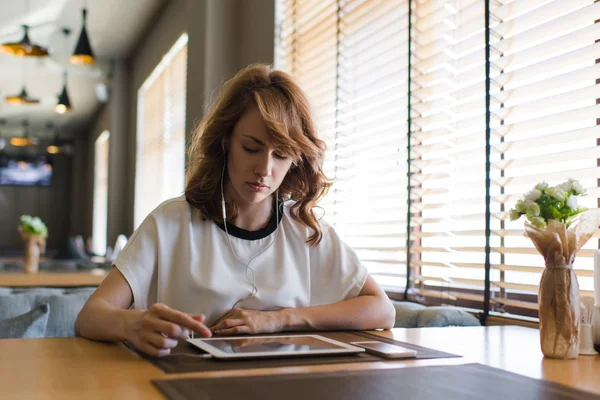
x=578, y=188
x=565, y=186
x=572, y=202
x=533, y=210
x=520, y=206
x=538, y=222
x=527, y=204
x=557, y=193
x=533, y=195
x=542, y=186
x=514, y=215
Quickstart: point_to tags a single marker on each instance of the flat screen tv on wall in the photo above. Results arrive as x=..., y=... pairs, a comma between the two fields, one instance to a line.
x=25, y=171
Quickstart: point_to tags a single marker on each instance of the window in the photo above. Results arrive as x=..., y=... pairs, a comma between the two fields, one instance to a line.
x=100, y=212
x=160, y=153
x=350, y=58
x=387, y=115
x=544, y=128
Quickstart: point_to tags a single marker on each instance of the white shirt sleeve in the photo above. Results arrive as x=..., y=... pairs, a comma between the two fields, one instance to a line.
x=336, y=272
x=138, y=263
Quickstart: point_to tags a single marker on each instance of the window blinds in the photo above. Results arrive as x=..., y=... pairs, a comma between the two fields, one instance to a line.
x=160, y=152
x=544, y=127
x=350, y=57
x=448, y=153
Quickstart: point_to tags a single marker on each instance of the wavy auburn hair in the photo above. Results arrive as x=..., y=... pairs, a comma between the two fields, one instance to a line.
x=287, y=115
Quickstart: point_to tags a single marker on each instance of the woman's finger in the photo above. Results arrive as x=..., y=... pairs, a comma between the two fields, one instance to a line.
x=228, y=323
x=168, y=328
x=236, y=330
x=153, y=351
x=181, y=319
x=199, y=317
x=158, y=340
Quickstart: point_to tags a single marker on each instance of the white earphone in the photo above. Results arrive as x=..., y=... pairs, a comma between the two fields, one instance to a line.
x=247, y=265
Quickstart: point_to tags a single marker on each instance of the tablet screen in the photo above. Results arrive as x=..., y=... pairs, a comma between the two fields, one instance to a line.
x=271, y=344
x=264, y=346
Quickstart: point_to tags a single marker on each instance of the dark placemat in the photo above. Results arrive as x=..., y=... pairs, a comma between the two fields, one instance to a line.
x=188, y=358
x=464, y=382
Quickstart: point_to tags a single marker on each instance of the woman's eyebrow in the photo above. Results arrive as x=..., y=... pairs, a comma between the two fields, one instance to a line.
x=255, y=139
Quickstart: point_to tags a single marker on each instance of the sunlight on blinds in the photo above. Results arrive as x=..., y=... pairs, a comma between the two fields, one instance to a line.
x=350, y=57
x=448, y=151
x=160, y=154
x=544, y=127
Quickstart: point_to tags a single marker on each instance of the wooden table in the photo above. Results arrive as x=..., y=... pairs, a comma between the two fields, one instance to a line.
x=80, y=368
x=53, y=279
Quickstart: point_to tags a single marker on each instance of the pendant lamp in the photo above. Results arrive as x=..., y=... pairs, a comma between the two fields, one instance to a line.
x=24, y=47
x=21, y=98
x=25, y=140
x=83, y=53
x=64, y=103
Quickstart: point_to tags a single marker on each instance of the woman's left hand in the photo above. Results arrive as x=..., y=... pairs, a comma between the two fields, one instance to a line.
x=240, y=321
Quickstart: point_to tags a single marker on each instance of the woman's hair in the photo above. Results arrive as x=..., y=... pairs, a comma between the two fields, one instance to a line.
x=287, y=115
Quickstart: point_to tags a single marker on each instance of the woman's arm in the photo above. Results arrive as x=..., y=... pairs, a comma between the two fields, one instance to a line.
x=371, y=309
x=105, y=316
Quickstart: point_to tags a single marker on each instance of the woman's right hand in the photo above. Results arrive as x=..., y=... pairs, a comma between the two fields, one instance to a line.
x=157, y=330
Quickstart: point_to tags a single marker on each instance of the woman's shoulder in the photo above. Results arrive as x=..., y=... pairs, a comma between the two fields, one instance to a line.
x=303, y=230
x=172, y=210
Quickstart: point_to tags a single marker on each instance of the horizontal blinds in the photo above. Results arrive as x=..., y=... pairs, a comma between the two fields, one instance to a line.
x=160, y=152
x=544, y=127
x=351, y=58
x=448, y=151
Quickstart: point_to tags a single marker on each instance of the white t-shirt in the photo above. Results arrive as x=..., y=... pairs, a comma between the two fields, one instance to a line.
x=177, y=259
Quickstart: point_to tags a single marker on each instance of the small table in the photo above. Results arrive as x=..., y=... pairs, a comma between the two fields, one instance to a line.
x=53, y=279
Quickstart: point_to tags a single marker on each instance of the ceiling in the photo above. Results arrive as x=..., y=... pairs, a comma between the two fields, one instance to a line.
x=113, y=27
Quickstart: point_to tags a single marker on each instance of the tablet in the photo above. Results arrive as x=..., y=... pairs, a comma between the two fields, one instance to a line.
x=272, y=346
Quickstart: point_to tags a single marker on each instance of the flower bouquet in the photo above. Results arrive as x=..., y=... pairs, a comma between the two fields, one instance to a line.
x=558, y=227
x=34, y=233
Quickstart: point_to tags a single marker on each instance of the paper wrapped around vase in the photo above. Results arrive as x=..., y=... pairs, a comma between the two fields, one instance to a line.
x=34, y=246
x=559, y=290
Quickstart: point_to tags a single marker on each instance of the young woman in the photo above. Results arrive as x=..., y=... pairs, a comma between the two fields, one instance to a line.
x=241, y=252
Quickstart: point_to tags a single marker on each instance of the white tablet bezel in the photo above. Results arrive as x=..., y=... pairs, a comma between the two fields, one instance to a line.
x=204, y=344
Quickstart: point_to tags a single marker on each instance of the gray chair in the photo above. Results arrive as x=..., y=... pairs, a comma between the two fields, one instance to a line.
x=415, y=315
x=64, y=306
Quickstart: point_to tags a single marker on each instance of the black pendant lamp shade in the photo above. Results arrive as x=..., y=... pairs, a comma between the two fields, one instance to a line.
x=64, y=103
x=21, y=99
x=24, y=48
x=83, y=53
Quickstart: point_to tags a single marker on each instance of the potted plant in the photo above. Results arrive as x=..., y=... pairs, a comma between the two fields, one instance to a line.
x=34, y=232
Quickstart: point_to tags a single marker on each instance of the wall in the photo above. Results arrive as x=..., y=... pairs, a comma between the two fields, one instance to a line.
x=223, y=37
x=52, y=204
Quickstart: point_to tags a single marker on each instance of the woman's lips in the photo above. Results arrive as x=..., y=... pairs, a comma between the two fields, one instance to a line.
x=256, y=187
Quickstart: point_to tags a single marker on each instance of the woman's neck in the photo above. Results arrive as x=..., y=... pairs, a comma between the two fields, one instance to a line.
x=252, y=216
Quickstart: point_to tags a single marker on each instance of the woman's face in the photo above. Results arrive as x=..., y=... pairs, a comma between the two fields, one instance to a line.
x=255, y=169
